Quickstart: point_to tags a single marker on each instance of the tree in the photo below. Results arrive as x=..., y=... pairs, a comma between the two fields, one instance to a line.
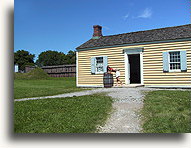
x=71, y=57
x=23, y=58
x=50, y=58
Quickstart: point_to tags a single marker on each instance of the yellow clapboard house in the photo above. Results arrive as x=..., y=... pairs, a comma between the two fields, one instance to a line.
x=153, y=58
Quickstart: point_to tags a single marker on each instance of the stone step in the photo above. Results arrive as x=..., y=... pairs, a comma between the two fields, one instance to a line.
x=129, y=86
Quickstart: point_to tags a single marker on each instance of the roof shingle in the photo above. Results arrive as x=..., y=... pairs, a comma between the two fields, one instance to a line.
x=168, y=33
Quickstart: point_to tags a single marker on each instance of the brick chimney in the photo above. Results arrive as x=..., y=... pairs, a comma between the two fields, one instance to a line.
x=97, y=32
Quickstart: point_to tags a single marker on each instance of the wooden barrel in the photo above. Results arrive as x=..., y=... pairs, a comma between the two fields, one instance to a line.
x=108, y=80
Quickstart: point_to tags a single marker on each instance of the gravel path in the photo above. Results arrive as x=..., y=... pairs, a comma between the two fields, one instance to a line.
x=81, y=93
x=125, y=117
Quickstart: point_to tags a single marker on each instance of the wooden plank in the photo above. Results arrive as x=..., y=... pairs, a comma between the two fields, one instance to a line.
x=163, y=48
x=161, y=44
x=159, y=50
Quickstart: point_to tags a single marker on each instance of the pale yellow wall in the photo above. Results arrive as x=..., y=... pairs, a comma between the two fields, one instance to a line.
x=152, y=64
x=115, y=60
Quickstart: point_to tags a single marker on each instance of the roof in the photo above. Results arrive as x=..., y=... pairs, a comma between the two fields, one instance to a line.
x=161, y=34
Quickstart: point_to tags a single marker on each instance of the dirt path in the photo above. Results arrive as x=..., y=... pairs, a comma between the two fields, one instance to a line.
x=80, y=93
x=125, y=117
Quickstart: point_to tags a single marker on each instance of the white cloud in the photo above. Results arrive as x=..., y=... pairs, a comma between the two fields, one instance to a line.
x=105, y=27
x=126, y=16
x=147, y=13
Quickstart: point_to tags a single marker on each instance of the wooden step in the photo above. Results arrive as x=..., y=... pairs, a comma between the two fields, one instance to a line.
x=129, y=85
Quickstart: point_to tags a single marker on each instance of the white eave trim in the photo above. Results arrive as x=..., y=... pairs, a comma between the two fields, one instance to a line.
x=77, y=68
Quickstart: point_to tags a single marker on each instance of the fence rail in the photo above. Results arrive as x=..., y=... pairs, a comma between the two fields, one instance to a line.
x=57, y=71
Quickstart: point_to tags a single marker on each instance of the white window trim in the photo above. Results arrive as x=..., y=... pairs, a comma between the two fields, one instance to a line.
x=95, y=65
x=175, y=70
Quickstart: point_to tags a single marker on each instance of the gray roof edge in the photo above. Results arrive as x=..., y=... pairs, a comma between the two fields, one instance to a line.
x=139, y=43
x=171, y=27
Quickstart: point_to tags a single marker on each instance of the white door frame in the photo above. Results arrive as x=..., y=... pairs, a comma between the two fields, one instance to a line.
x=127, y=65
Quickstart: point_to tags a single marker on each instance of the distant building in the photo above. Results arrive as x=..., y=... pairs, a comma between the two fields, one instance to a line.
x=16, y=68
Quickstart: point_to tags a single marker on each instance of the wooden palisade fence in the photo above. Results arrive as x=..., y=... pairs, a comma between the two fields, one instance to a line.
x=58, y=70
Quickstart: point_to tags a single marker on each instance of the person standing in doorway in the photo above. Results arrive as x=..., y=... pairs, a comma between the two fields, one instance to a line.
x=117, y=75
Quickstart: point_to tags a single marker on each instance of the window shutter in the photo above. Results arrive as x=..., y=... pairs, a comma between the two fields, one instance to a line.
x=165, y=62
x=93, y=65
x=183, y=61
x=105, y=63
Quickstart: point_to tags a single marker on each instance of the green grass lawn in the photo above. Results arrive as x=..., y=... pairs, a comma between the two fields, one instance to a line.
x=62, y=115
x=167, y=112
x=46, y=87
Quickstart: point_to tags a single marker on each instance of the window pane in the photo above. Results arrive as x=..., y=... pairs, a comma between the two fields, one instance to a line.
x=170, y=66
x=174, y=56
x=99, y=59
x=174, y=66
x=174, y=60
x=99, y=64
x=99, y=69
x=178, y=66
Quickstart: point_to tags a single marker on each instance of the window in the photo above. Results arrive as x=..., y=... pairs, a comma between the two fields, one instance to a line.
x=99, y=64
x=174, y=62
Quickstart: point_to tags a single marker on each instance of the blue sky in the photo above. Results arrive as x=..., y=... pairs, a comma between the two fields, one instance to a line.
x=62, y=25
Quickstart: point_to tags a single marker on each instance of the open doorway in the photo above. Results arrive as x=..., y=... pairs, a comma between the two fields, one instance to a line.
x=134, y=69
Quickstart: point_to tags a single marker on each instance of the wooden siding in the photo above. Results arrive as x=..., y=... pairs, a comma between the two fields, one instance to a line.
x=115, y=60
x=152, y=64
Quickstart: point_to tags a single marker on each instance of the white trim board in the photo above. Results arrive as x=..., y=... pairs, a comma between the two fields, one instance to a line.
x=141, y=66
x=151, y=86
x=131, y=51
x=127, y=81
x=169, y=86
x=77, y=68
